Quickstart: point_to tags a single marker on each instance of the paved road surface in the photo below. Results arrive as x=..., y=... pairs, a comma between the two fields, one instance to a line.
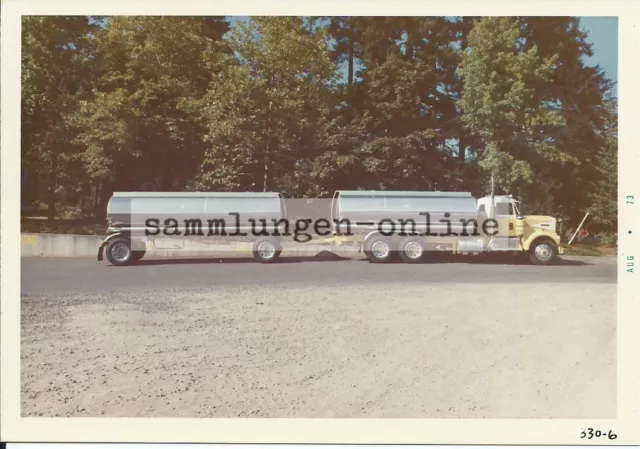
x=69, y=275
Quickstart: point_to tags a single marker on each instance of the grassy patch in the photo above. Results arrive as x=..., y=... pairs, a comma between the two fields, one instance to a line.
x=590, y=250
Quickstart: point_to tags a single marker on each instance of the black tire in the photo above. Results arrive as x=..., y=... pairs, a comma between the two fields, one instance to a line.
x=413, y=249
x=379, y=249
x=266, y=250
x=543, y=252
x=119, y=253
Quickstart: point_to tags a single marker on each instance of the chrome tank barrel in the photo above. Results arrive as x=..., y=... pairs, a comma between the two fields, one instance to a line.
x=134, y=208
x=375, y=206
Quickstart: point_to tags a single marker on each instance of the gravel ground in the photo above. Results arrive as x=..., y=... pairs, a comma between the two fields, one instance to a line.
x=416, y=351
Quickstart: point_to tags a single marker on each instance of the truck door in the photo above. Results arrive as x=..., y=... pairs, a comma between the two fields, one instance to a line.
x=506, y=239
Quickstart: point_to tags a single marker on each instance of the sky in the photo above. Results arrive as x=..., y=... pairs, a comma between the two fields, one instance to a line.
x=603, y=34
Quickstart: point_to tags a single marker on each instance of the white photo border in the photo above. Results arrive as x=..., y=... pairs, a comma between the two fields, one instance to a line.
x=348, y=431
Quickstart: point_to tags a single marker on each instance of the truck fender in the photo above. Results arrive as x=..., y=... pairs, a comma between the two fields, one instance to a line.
x=111, y=237
x=540, y=235
x=366, y=237
x=105, y=242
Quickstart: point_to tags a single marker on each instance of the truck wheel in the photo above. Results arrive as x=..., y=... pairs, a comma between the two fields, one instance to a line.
x=543, y=252
x=119, y=252
x=266, y=250
x=412, y=250
x=379, y=249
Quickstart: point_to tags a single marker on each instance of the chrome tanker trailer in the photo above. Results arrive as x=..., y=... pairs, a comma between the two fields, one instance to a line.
x=411, y=224
x=382, y=224
x=137, y=220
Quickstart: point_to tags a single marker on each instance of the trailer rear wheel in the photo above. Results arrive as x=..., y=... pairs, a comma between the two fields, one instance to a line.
x=119, y=253
x=543, y=252
x=266, y=250
x=412, y=250
x=379, y=249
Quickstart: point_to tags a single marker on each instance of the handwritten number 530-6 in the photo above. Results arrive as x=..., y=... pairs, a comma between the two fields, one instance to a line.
x=590, y=433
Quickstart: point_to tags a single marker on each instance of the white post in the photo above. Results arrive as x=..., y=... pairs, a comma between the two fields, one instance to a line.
x=581, y=223
x=492, y=189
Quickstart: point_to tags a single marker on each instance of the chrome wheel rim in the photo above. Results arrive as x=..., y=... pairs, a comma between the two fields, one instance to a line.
x=413, y=250
x=266, y=250
x=120, y=251
x=543, y=252
x=380, y=250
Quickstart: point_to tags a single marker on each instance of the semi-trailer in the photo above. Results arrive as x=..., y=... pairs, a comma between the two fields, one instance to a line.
x=137, y=220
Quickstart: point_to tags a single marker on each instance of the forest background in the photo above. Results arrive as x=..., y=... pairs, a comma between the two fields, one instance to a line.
x=309, y=105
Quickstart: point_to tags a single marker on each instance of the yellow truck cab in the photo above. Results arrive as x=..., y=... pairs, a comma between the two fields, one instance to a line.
x=537, y=235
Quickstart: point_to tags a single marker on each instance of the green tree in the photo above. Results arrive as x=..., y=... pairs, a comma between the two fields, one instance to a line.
x=580, y=94
x=138, y=128
x=603, y=188
x=503, y=105
x=167, y=103
x=262, y=108
x=392, y=128
x=56, y=74
x=541, y=115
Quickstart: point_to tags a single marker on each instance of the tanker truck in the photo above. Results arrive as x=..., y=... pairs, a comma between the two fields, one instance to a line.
x=388, y=224
x=385, y=225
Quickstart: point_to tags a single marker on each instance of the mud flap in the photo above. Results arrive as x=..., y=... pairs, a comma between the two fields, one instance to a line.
x=104, y=243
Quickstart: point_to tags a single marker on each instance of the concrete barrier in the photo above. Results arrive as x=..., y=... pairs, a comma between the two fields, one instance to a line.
x=59, y=245
x=68, y=245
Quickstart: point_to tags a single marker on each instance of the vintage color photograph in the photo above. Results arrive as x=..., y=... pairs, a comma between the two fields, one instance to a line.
x=319, y=217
